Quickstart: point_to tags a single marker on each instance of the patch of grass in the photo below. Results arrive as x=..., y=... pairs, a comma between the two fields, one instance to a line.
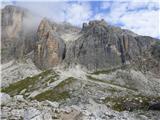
x=157, y=43
x=51, y=78
x=52, y=95
x=26, y=83
x=65, y=82
x=109, y=70
x=112, y=90
x=130, y=103
x=57, y=93
x=109, y=82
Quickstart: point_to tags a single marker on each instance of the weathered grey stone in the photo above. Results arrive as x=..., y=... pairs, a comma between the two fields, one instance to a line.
x=31, y=113
x=5, y=98
x=50, y=48
x=102, y=46
x=19, y=98
x=53, y=104
x=16, y=39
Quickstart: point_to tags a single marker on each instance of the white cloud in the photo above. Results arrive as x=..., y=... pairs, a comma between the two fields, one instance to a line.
x=4, y=3
x=52, y=10
x=74, y=12
x=144, y=22
x=105, y=5
x=140, y=17
x=99, y=16
x=78, y=13
x=129, y=12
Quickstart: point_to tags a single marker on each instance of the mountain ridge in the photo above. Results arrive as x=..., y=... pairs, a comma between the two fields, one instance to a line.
x=62, y=31
x=58, y=71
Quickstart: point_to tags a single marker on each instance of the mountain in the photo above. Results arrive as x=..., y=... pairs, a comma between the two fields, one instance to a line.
x=97, y=46
x=59, y=71
x=49, y=50
x=18, y=35
x=103, y=46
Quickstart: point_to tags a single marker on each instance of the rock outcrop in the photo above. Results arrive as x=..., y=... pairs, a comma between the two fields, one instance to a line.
x=50, y=48
x=149, y=60
x=5, y=98
x=102, y=46
x=17, y=41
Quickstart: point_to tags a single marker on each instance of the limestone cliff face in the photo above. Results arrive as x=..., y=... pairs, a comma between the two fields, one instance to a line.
x=15, y=42
x=50, y=48
x=97, y=45
x=12, y=18
x=102, y=46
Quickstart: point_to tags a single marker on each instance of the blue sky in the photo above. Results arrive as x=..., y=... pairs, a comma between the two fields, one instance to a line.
x=140, y=17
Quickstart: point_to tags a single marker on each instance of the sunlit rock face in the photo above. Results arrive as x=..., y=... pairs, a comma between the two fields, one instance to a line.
x=50, y=48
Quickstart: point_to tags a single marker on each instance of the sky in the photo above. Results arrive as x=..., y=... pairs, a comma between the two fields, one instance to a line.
x=139, y=16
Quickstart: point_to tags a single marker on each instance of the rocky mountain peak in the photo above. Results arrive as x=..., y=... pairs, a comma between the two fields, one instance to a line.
x=12, y=8
x=103, y=46
x=12, y=32
x=94, y=25
x=49, y=50
x=44, y=29
x=97, y=45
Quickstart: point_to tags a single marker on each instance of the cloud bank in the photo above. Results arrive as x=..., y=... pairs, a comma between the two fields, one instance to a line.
x=139, y=17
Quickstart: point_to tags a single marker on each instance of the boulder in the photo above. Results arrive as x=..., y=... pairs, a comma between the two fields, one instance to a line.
x=19, y=98
x=5, y=98
x=53, y=104
x=32, y=113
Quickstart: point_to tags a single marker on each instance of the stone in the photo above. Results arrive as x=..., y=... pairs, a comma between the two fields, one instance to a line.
x=23, y=91
x=102, y=46
x=19, y=98
x=66, y=109
x=32, y=114
x=17, y=112
x=53, y=104
x=47, y=115
x=5, y=98
x=17, y=40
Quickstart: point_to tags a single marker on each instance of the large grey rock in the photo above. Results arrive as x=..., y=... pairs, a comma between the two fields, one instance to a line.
x=31, y=113
x=155, y=50
x=14, y=71
x=19, y=98
x=50, y=48
x=53, y=104
x=17, y=39
x=149, y=60
x=101, y=46
x=5, y=98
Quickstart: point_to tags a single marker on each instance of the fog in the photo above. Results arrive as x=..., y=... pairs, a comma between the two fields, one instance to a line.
x=36, y=11
x=52, y=10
